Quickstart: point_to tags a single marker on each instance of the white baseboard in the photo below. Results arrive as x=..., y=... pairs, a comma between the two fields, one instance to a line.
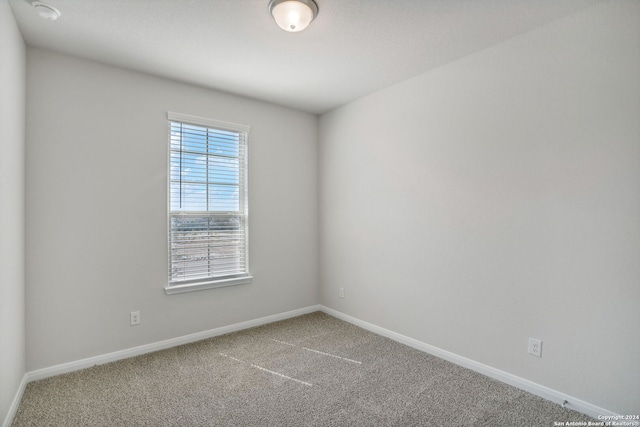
x=505, y=377
x=161, y=345
x=13, y=409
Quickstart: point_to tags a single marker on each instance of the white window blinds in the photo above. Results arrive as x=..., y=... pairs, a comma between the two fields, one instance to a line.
x=208, y=223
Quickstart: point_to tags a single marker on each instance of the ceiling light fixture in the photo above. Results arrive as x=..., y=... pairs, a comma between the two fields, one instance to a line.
x=293, y=15
x=46, y=10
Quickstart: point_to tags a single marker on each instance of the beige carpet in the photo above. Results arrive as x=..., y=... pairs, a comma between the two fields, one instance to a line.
x=312, y=370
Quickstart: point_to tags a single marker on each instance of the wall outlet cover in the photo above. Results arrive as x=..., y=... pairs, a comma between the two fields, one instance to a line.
x=135, y=318
x=535, y=347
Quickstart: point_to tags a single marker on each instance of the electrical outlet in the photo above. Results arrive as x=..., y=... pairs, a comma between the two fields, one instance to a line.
x=535, y=347
x=135, y=318
x=341, y=292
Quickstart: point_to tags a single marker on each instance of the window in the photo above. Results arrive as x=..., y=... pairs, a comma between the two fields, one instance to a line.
x=208, y=222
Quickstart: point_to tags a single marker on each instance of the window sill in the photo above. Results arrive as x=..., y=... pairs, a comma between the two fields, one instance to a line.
x=200, y=286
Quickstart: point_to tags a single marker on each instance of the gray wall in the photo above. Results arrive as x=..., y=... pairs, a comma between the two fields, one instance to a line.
x=498, y=198
x=96, y=210
x=12, y=202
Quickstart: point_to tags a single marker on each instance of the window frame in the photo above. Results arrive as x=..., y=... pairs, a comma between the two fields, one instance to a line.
x=180, y=286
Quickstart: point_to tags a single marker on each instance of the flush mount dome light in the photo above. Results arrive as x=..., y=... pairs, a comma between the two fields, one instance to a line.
x=46, y=10
x=293, y=15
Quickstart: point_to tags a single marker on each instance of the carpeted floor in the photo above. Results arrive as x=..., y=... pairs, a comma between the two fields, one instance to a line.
x=312, y=370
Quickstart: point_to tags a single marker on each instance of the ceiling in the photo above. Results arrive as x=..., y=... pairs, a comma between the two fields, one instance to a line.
x=352, y=48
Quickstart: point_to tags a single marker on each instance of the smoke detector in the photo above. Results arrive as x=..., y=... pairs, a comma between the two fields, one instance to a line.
x=46, y=10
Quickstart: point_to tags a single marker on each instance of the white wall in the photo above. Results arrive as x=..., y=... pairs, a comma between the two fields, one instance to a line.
x=12, y=202
x=498, y=198
x=96, y=210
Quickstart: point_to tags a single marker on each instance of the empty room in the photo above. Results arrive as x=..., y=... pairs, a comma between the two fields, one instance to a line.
x=319, y=213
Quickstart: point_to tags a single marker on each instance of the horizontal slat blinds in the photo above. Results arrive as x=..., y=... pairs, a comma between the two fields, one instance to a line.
x=207, y=201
